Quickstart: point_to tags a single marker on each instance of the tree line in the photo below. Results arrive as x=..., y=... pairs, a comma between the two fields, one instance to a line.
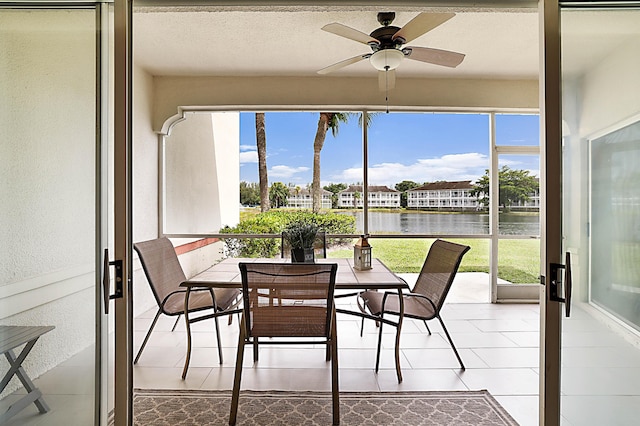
x=515, y=186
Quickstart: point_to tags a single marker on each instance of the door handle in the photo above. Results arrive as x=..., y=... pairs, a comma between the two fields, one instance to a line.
x=106, y=280
x=558, y=285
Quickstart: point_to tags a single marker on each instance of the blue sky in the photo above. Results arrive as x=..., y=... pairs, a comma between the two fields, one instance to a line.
x=423, y=147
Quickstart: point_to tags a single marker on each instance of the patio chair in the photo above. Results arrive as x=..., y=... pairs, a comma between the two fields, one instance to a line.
x=319, y=247
x=164, y=274
x=427, y=297
x=291, y=303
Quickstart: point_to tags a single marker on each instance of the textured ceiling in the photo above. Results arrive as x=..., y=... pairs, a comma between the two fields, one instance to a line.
x=288, y=41
x=215, y=42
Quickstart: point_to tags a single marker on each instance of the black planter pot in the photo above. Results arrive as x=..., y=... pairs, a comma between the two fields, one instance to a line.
x=302, y=255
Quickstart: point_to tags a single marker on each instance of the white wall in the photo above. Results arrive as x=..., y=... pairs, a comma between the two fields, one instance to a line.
x=611, y=90
x=47, y=175
x=202, y=173
x=145, y=182
x=606, y=95
x=190, y=169
x=226, y=135
x=345, y=93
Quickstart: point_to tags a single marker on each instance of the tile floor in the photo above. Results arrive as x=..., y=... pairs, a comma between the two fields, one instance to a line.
x=498, y=343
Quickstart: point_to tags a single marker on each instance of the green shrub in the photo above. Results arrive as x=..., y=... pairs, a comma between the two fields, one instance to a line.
x=274, y=222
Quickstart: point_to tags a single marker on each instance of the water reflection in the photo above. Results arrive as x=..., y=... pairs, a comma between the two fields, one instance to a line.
x=447, y=223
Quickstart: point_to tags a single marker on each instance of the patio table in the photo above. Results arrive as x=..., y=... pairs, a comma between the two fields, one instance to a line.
x=10, y=338
x=227, y=274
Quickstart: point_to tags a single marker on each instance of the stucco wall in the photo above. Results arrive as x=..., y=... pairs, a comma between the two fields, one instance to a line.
x=202, y=169
x=145, y=182
x=339, y=93
x=226, y=135
x=190, y=169
x=47, y=171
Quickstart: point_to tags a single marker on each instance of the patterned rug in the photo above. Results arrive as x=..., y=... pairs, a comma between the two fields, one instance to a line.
x=171, y=408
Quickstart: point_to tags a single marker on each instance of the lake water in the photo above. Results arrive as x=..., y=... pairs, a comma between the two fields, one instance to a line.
x=447, y=223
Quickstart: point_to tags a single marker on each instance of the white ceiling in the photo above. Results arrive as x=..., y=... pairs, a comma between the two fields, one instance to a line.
x=288, y=41
x=227, y=42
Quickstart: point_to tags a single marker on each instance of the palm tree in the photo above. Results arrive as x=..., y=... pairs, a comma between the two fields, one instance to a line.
x=261, y=143
x=327, y=120
x=356, y=196
x=278, y=194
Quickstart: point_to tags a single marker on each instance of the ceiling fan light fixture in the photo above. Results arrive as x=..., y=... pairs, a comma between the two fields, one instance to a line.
x=386, y=59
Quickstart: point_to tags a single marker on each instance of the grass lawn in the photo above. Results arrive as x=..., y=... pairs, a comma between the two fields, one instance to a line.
x=518, y=260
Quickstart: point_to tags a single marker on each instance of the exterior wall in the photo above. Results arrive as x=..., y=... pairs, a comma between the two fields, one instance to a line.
x=202, y=173
x=226, y=145
x=376, y=199
x=449, y=198
x=305, y=201
x=457, y=199
x=172, y=93
x=192, y=180
x=145, y=182
x=47, y=170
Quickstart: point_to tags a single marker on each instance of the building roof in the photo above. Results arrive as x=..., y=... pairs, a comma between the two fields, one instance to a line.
x=371, y=188
x=440, y=185
x=305, y=191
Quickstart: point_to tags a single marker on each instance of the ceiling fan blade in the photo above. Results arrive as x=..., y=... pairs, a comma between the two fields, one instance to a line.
x=343, y=64
x=421, y=24
x=350, y=33
x=386, y=80
x=445, y=58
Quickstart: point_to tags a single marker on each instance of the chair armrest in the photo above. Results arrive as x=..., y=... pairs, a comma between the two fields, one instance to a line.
x=408, y=295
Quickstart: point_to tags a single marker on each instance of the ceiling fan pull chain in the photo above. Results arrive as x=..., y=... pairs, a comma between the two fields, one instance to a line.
x=386, y=91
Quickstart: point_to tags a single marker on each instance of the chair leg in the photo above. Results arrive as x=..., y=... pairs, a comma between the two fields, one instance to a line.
x=215, y=320
x=379, y=343
x=146, y=338
x=362, y=327
x=335, y=390
x=176, y=323
x=427, y=325
x=255, y=349
x=237, y=376
x=451, y=342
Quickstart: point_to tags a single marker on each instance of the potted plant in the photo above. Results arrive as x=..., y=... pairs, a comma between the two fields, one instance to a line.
x=300, y=236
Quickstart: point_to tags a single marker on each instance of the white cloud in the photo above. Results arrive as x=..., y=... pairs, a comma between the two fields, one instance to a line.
x=452, y=167
x=247, y=147
x=286, y=171
x=249, y=157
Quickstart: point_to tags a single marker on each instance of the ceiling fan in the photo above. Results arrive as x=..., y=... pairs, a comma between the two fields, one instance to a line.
x=386, y=43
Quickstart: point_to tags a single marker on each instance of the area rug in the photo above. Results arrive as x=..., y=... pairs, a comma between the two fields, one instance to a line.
x=171, y=408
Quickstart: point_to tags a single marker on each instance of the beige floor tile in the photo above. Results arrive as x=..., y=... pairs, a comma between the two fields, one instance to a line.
x=502, y=381
x=442, y=358
x=524, y=409
x=168, y=378
x=421, y=380
x=509, y=357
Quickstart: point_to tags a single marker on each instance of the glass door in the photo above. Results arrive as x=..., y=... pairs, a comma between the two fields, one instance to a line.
x=54, y=149
x=600, y=354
